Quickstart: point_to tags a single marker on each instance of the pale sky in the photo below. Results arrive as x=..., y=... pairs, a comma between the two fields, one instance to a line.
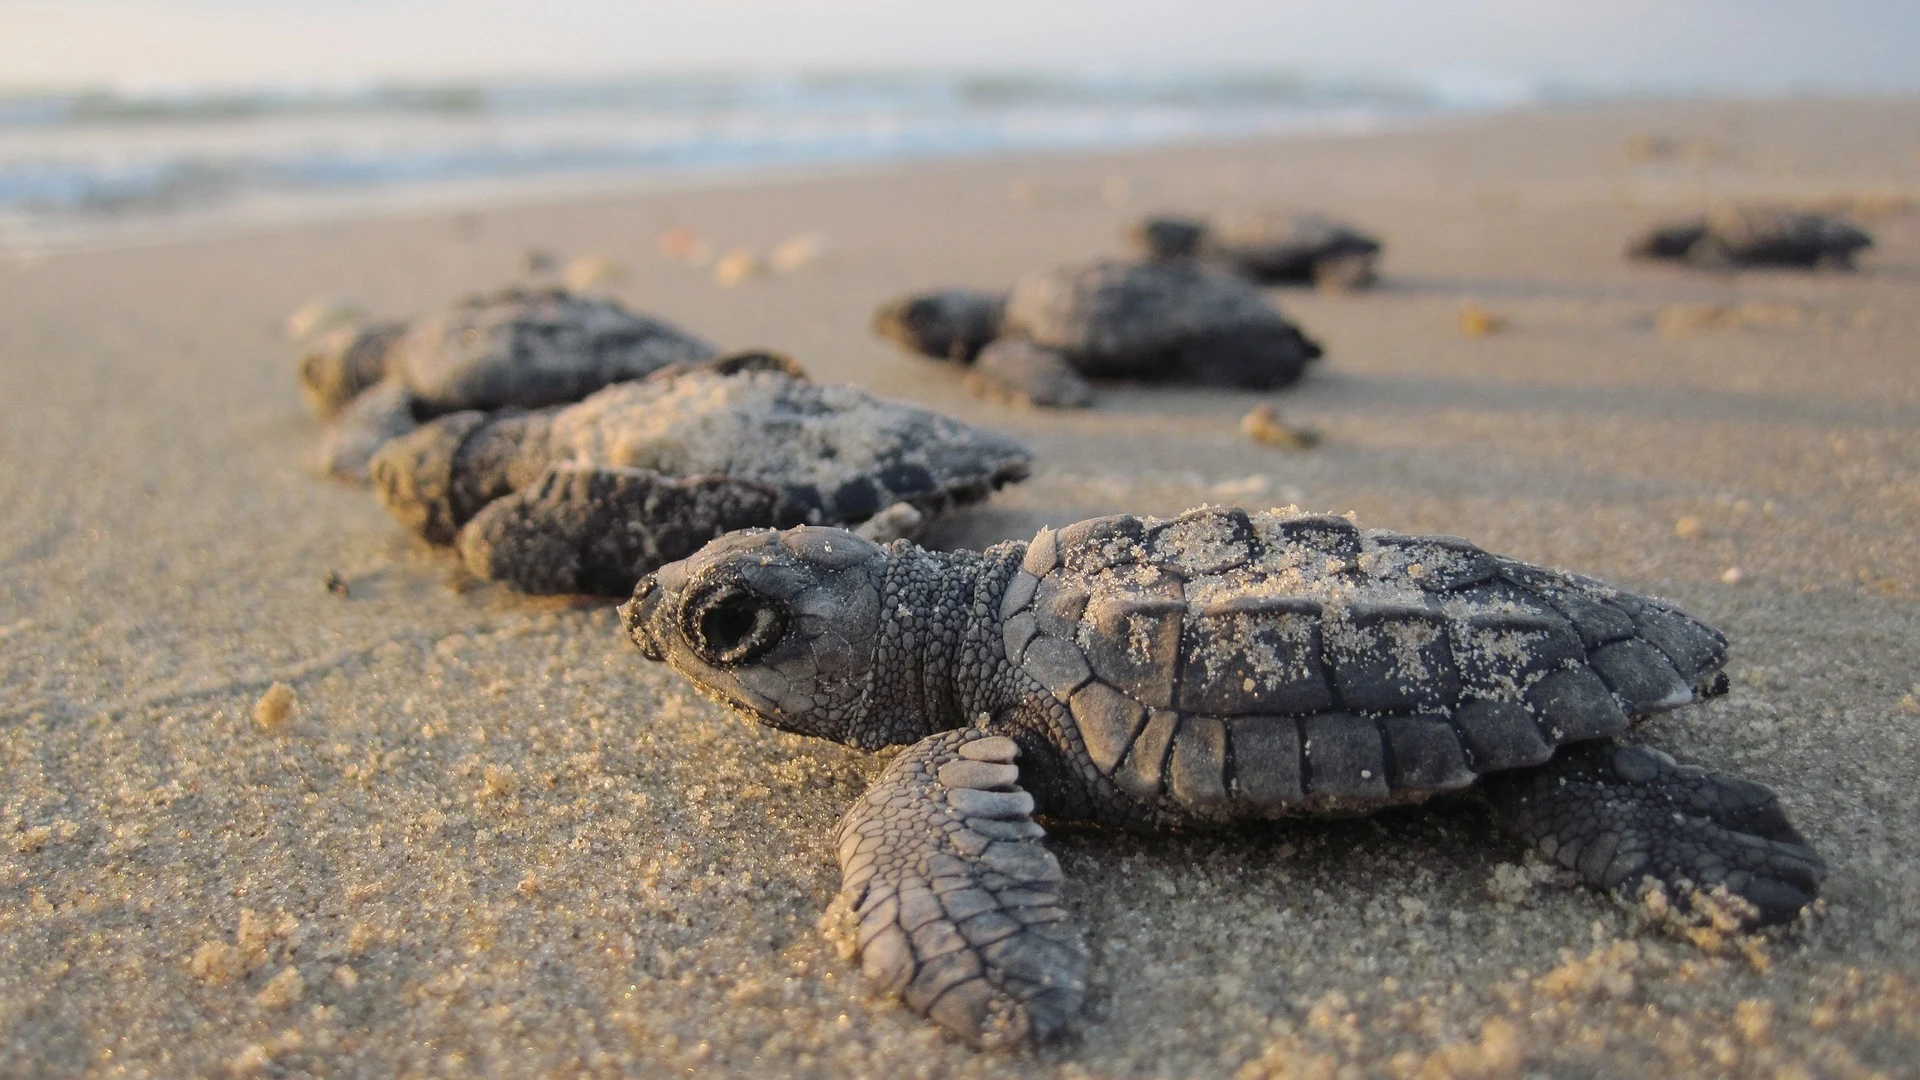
x=1732, y=45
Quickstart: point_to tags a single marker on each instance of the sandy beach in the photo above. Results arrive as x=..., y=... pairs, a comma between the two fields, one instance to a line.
x=489, y=839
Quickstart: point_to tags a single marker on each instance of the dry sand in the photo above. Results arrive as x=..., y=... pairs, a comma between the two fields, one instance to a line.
x=481, y=836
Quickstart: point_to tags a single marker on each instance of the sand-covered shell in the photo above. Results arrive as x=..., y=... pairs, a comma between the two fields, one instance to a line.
x=833, y=449
x=1295, y=663
x=523, y=348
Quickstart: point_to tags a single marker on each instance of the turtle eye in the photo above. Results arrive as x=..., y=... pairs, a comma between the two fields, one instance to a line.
x=731, y=625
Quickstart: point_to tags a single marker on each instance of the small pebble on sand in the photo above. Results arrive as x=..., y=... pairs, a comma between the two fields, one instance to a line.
x=1263, y=425
x=798, y=251
x=274, y=708
x=1476, y=321
x=682, y=244
x=1732, y=575
x=737, y=266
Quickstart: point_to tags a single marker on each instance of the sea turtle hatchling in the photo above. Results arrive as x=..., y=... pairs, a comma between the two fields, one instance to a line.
x=1171, y=320
x=1739, y=236
x=519, y=347
x=588, y=497
x=1270, y=249
x=1216, y=667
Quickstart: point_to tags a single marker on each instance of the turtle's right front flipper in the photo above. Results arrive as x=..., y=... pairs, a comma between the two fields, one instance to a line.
x=958, y=903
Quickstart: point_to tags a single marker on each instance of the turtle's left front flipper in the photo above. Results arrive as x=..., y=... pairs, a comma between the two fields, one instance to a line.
x=1615, y=813
x=958, y=903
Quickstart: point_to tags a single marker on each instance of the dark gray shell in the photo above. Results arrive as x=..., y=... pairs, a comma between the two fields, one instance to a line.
x=1286, y=663
x=529, y=348
x=1756, y=235
x=1127, y=318
x=1267, y=248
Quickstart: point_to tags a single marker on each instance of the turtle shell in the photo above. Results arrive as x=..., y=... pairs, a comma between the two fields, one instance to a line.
x=1766, y=234
x=1271, y=248
x=1230, y=665
x=1126, y=318
x=529, y=348
x=836, y=452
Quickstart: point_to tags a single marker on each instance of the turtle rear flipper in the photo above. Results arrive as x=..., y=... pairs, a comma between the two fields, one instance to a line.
x=1616, y=814
x=958, y=905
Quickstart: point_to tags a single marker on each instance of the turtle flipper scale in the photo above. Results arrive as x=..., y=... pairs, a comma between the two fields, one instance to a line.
x=958, y=904
x=1616, y=814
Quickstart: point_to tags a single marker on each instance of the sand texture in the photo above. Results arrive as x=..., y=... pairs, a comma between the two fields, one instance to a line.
x=282, y=793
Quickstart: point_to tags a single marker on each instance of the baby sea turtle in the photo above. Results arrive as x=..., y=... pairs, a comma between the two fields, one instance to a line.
x=588, y=497
x=519, y=347
x=1271, y=249
x=1174, y=320
x=1211, y=668
x=1757, y=236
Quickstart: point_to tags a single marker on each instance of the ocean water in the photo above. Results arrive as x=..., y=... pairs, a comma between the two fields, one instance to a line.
x=88, y=167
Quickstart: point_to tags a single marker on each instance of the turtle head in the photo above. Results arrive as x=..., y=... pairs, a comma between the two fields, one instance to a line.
x=780, y=625
x=950, y=324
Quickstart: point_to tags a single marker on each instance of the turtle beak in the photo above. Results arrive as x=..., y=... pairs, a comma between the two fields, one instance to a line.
x=637, y=615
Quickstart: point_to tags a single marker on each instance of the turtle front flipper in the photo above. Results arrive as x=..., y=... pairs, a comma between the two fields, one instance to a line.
x=599, y=529
x=958, y=903
x=1616, y=814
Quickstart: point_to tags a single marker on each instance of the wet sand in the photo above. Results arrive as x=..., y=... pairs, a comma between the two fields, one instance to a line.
x=487, y=838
